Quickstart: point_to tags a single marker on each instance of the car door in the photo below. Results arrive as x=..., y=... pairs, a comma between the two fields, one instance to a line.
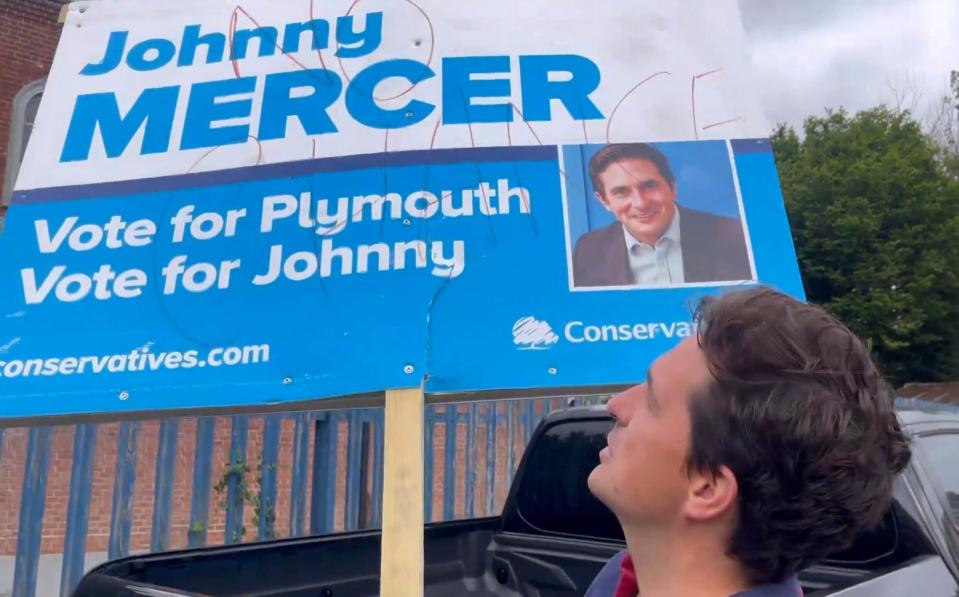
x=936, y=452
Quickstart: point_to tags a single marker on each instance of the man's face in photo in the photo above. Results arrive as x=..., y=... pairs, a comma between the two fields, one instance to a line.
x=641, y=199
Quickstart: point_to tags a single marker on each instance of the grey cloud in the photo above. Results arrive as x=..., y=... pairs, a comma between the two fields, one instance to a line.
x=811, y=55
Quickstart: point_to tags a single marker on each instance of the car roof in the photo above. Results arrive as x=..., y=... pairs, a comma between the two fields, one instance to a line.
x=916, y=419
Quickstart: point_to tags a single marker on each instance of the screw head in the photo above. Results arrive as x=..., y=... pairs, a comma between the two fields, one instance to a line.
x=287, y=381
x=124, y=395
x=408, y=369
x=552, y=370
x=406, y=222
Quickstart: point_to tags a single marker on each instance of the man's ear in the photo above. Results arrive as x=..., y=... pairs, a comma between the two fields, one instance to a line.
x=711, y=495
x=601, y=199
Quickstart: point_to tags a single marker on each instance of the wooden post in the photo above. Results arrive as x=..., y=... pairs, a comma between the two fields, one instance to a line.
x=401, y=564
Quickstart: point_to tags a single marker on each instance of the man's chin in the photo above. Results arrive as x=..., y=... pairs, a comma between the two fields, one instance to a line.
x=596, y=482
x=646, y=231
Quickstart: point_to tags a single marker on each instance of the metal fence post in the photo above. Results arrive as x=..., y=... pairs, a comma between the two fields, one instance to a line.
x=378, y=442
x=78, y=507
x=428, y=457
x=269, y=461
x=324, y=473
x=301, y=448
x=164, y=479
x=354, y=438
x=449, y=463
x=365, y=495
x=124, y=479
x=492, y=422
x=32, y=503
x=236, y=483
x=470, y=470
x=202, y=481
x=510, y=440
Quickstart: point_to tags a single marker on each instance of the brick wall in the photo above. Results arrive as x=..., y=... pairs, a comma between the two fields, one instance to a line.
x=29, y=32
x=13, y=456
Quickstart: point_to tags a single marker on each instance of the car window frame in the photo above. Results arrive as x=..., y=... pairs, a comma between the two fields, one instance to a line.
x=921, y=455
x=518, y=506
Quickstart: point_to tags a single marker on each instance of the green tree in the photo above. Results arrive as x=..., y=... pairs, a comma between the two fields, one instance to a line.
x=942, y=126
x=875, y=221
x=950, y=136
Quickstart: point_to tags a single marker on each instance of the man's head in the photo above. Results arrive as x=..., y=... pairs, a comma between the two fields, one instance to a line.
x=633, y=181
x=771, y=433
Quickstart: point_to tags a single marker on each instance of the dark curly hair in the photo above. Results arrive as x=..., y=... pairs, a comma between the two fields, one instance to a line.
x=802, y=417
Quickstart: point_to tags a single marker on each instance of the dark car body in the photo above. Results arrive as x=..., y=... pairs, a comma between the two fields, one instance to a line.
x=554, y=536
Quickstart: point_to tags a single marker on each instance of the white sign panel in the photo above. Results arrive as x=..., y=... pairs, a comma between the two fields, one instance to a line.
x=141, y=90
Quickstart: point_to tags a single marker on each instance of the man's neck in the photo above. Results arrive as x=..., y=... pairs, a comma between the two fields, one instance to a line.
x=671, y=566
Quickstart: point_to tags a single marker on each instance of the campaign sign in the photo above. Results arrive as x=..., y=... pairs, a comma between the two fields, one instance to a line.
x=227, y=206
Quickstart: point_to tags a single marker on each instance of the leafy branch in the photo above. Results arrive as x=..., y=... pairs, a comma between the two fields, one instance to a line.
x=236, y=473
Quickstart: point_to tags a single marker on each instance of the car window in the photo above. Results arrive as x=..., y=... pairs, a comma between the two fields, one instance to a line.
x=553, y=496
x=941, y=452
x=899, y=538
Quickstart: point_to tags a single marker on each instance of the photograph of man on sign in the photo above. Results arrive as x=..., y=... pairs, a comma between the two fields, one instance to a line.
x=655, y=239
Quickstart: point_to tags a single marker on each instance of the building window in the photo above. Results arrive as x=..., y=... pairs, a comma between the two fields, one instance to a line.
x=25, y=106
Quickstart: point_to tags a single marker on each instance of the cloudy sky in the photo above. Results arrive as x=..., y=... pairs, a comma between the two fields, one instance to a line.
x=814, y=54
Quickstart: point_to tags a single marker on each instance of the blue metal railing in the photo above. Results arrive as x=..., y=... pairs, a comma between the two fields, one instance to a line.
x=341, y=450
x=78, y=508
x=32, y=504
x=121, y=516
x=202, y=473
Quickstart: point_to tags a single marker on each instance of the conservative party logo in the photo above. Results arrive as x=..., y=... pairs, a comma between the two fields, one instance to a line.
x=531, y=334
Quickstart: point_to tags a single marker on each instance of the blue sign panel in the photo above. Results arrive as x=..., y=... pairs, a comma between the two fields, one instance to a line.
x=464, y=269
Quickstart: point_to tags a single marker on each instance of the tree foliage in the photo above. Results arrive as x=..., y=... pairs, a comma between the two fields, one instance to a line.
x=875, y=220
x=942, y=126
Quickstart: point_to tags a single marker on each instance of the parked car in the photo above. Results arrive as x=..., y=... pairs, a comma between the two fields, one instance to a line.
x=554, y=536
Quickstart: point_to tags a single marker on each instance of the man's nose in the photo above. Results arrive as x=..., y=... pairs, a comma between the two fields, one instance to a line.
x=638, y=199
x=618, y=407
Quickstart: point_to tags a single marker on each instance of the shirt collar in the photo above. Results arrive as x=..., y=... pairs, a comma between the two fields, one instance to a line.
x=626, y=585
x=671, y=234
